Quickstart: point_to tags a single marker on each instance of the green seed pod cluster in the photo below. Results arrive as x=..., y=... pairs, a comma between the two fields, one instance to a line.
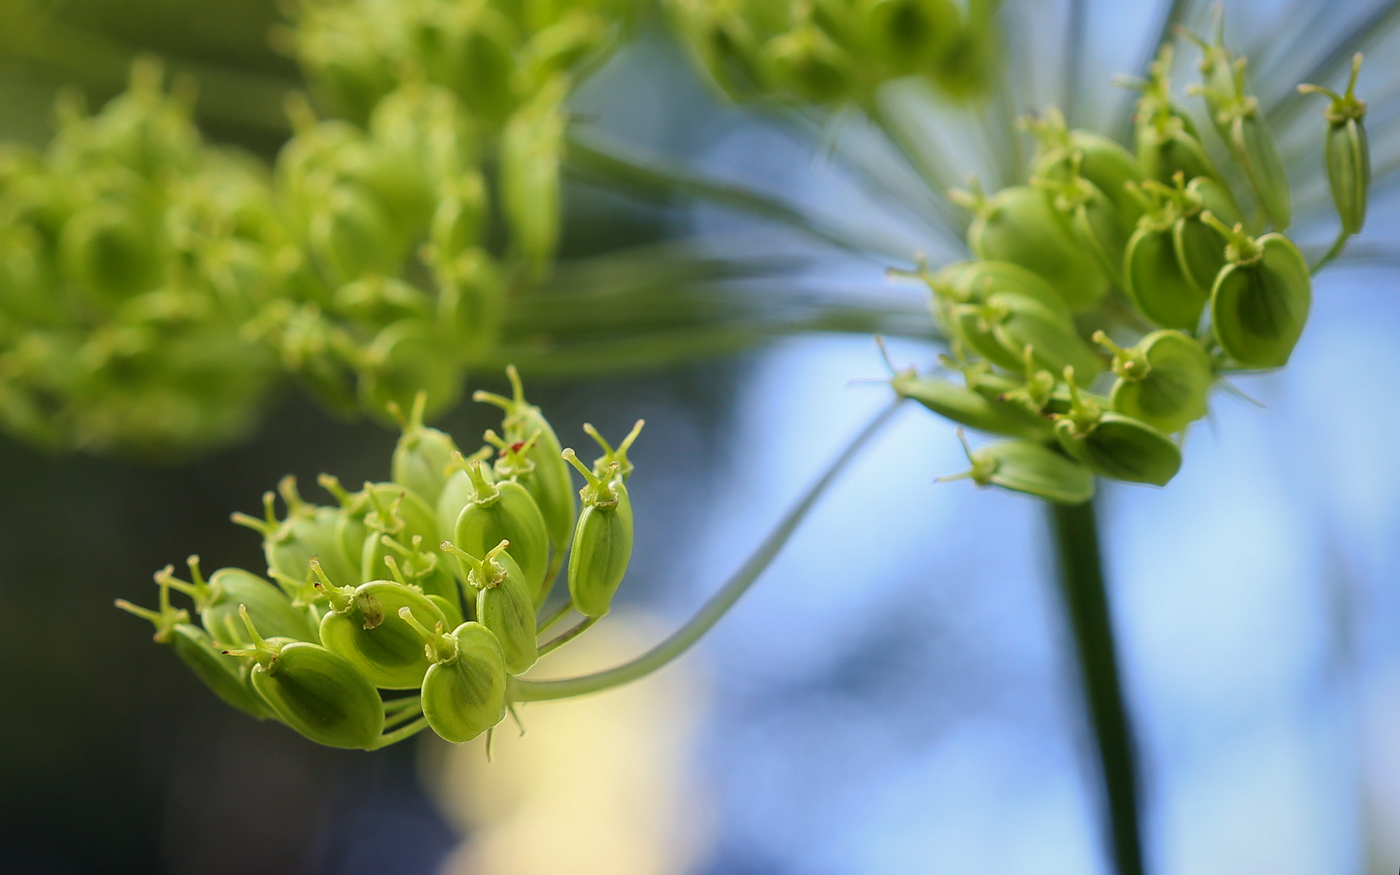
x=375, y=618
x=840, y=51
x=131, y=253
x=1115, y=288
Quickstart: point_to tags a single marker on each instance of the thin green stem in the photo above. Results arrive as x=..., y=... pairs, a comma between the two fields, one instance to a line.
x=401, y=733
x=555, y=616
x=526, y=690
x=1337, y=247
x=567, y=635
x=1086, y=607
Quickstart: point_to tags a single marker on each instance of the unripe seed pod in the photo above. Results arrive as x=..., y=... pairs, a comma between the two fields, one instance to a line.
x=402, y=515
x=309, y=532
x=423, y=456
x=972, y=282
x=602, y=541
x=973, y=409
x=457, y=492
x=364, y=626
x=1114, y=445
x=504, y=603
x=350, y=529
x=1163, y=380
x=1260, y=301
x=1200, y=248
x=407, y=357
x=464, y=691
x=1347, y=152
x=109, y=249
x=315, y=691
x=1093, y=218
x=985, y=409
x=1102, y=162
x=530, y=150
x=1153, y=277
x=968, y=67
x=1018, y=323
x=1020, y=225
x=198, y=651
x=908, y=35
x=499, y=512
x=1029, y=467
x=809, y=65
x=218, y=602
x=551, y=484
x=349, y=234
x=1236, y=116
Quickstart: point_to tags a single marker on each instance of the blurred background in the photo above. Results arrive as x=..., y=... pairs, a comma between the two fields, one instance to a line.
x=894, y=696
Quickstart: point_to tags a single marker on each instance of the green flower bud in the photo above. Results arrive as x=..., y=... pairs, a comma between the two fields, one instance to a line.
x=1261, y=299
x=1101, y=161
x=423, y=456
x=1347, y=153
x=1029, y=467
x=1114, y=445
x=464, y=691
x=1020, y=225
x=198, y=651
x=363, y=626
x=1163, y=380
x=219, y=599
x=550, y=484
x=602, y=541
x=472, y=51
x=314, y=691
x=531, y=145
x=499, y=512
x=504, y=602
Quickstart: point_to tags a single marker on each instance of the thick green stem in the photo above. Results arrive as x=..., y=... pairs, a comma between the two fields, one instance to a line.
x=526, y=690
x=1086, y=606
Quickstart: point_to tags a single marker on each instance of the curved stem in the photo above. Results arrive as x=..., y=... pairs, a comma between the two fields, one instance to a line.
x=1086, y=606
x=527, y=690
x=401, y=733
x=555, y=616
x=567, y=635
x=1337, y=247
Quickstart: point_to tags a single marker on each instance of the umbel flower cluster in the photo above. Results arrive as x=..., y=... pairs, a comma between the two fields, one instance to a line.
x=832, y=52
x=152, y=286
x=429, y=582
x=1177, y=269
